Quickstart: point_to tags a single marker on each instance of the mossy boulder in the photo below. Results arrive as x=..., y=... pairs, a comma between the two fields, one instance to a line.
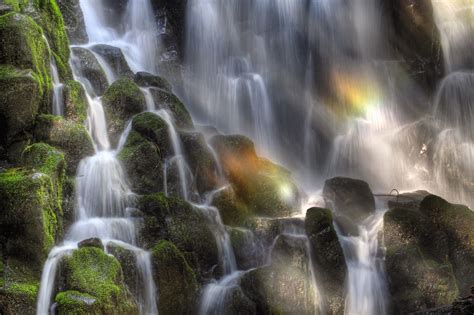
x=23, y=47
x=175, y=279
x=144, y=153
x=29, y=214
x=266, y=188
x=179, y=222
x=75, y=102
x=77, y=303
x=328, y=256
x=18, y=298
x=99, y=276
x=89, y=68
x=115, y=59
x=233, y=210
x=21, y=97
x=121, y=101
x=286, y=286
x=128, y=260
x=201, y=161
x=69, y=137
x=146, y=79
x=167, y=100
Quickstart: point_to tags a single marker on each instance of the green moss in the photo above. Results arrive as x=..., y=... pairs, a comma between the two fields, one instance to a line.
x=174, y=278
x=233, y=211
x=76, y=303
x=75, y=101
x=17, y=5
x=28, y=289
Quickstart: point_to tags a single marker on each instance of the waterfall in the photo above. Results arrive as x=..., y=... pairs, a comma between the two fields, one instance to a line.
x=103, y=194
x=58, y=87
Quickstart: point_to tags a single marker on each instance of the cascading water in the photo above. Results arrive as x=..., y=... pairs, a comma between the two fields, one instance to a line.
x=102, y=190
x=58, y=87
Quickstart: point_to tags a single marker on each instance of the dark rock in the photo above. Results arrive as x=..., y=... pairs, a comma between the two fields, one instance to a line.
x=171, y=102
x=175, y=279
x=249, y=249
x=146, y=79
x=350, y=197
x=89, y=68
x=183, y=225
x=121, y=101
x=74, y=21
x=411, y=200
x=91, y=242
x=128, y=261
x=286, y=285
x=328, y=257
x=114, y=58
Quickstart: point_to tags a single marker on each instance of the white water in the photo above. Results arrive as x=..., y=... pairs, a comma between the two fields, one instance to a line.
x=58, y=87
x=102, y=192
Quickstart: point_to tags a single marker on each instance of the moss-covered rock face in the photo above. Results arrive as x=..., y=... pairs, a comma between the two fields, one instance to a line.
x=98, y=277
x=20, y=100
x=233, y=210
x=352, y=198
x=89, y=68
x=201, y=161
x=18, y=298
x=74, y=21
x=71, y=138
x=284, y=287
x=24, y=47
x=146, y=79
x=121, y=101
x=177, y=221
x=457, y=222
x=175, y=279
x=328, y=257
x=168, y=100
x=75, y=102
x=29, y=214
x=266, y=188
x=128, y=261
x=419, y=272
x=115, y=58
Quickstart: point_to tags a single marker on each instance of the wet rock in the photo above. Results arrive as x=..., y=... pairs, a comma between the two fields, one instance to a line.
x=91, y=242
x=175, y=279
x=146, y=79
x=328, y=256
x=266, y=188
x=74, y=21
x=75, y=102
x=284, y=287
x=69, y=137
x=98, y=277
x=183, y=225
x=18, y=298
x=201, y=161
x=249, y=249
x=128, y=262
x=457, y=221
x=232, y=209
x=413, y=22
x=89, y=68
x=171, y=102
x=420, y=275
x=121, y=101
x=114, y=58
x=350, y=197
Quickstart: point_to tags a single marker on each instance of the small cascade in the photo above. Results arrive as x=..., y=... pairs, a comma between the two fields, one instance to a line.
x=366, y=291
x=58, y=87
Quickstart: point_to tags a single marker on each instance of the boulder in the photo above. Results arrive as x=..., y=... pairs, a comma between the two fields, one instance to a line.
x=352, y=198
x=97, y=277
x=128, y=260
x=411, y=200
x=69, y=137
x=121, y=101
x=329, y=258
x=249, y=249
x=18, y=298
x=75, y=102
x=232, y=209
x=266, y=188
x=285, y=286
x=114, y=58
x=177, y=221
x=175, y=279
x=145, y=79
x=167, y=100
x=89, y=68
